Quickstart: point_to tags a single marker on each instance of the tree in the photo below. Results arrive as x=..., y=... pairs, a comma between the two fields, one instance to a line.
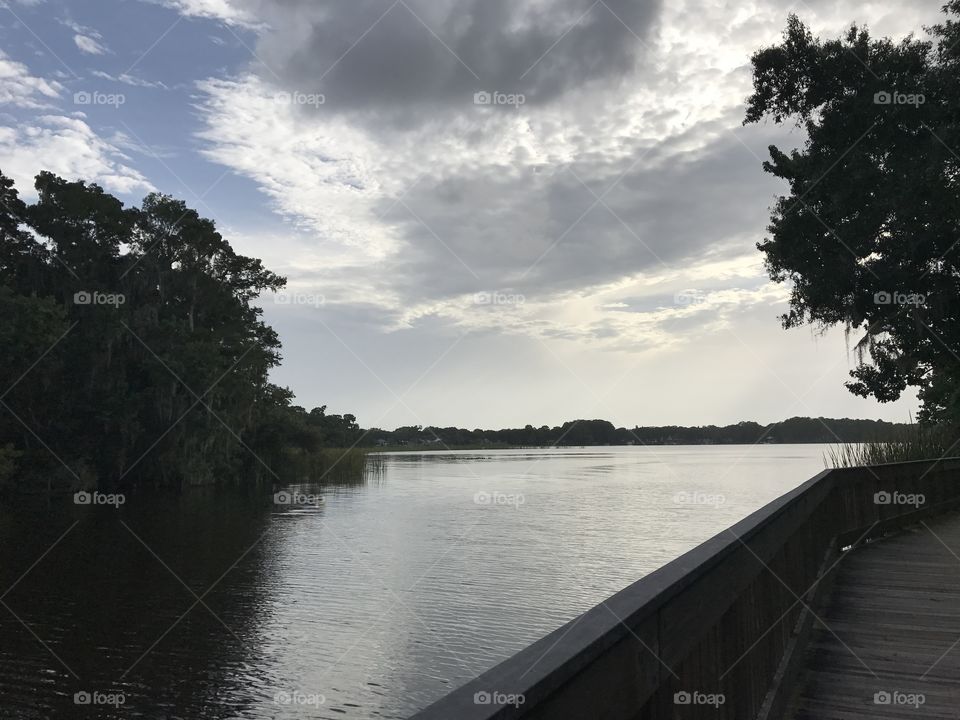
x=867, y=236
x=131, y=350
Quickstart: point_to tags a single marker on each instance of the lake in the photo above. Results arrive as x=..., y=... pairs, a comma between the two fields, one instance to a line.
x=373, y=604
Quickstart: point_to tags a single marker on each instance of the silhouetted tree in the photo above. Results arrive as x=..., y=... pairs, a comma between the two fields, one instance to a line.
x=867, y=235
x=131, y=351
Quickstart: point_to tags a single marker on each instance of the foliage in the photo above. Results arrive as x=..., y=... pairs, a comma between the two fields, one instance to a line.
x=332, y=465
x=131, y=351
x=866, y=236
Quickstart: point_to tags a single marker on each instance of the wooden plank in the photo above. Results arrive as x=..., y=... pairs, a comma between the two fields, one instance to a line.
x=890, y=624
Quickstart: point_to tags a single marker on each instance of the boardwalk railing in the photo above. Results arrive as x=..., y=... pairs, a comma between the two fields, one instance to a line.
x=713, y=633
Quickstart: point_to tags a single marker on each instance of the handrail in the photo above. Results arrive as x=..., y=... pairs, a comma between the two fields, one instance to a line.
x=709, y=630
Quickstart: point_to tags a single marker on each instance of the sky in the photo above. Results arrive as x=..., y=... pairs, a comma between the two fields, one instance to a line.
x=490, y=213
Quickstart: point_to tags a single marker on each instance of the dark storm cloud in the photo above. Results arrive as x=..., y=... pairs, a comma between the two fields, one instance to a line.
x=381, y=56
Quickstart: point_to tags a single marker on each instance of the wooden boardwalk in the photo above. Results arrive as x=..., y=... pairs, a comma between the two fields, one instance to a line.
x=888, y=641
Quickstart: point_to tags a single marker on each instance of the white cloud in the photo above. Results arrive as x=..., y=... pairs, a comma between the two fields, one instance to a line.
x=65, y=145
x=491, y=190
x=229, y=12
x=643, y=312
x=326, y=178
x=68, y=147
x=87, y=39
x=88, y=45
x=131, y=80
x=21, y=89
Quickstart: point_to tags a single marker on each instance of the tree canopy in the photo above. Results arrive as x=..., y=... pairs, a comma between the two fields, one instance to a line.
x=868, y=235
x=131, y=351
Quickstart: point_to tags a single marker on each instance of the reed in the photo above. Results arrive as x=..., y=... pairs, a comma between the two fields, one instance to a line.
x=331, y=465
x=917, y=442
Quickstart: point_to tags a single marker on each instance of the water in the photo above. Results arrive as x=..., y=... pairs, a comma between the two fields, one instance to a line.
x=372, y=605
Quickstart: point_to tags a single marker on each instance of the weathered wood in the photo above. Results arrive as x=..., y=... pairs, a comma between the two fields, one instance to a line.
x=792, y=662
x=891, y=624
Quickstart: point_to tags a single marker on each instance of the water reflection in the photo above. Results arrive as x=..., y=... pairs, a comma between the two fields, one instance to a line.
x=370, y=604
x=132, y=601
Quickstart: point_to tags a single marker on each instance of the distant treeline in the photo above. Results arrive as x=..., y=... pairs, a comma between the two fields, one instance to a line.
x=603, y=432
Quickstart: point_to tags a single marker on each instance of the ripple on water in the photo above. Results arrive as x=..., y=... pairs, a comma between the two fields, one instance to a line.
x=369, y=606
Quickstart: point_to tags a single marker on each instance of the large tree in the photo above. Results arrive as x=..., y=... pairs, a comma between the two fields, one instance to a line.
x=131, y=350
x=868, y=235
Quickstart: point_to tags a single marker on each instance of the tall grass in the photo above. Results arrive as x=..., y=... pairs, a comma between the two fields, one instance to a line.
x=918, y=442
x=331, y=465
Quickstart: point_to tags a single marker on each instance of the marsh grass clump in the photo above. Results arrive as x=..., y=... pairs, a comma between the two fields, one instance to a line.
x=917, y=442
x=331, y=465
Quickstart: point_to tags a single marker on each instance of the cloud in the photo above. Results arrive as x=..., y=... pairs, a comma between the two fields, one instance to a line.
x=520, y=200
x=21, y=89
x=88, y=45
x=87, y=39
x=131, y=80
x=70, y=148
x=580, y=202
x=600, y=225
x=596, y=199
x=230, y=12
x=65, y=145
x=418, y=56
x=647, y=311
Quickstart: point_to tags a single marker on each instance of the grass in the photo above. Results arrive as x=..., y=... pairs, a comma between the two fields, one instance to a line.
x=332, y=465
x=919, y=442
